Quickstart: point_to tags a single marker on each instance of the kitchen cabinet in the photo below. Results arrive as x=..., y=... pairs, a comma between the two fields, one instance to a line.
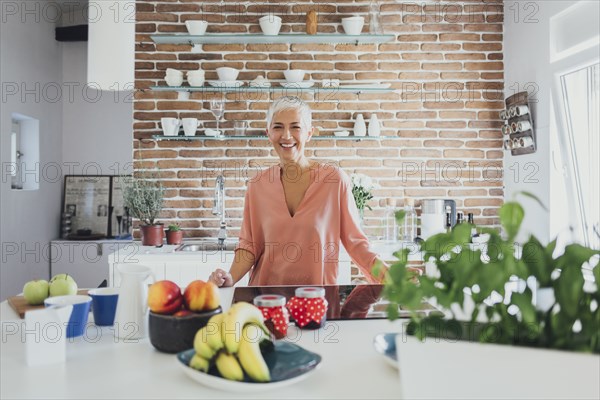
x=184, y=267
x=85, y=261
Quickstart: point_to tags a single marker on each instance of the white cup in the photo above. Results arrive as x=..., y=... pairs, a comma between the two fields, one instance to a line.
x=227, y=74
x=190, y=125
x=170, y=126
x=174, y=80
x=294, y=75
x=353, y=25
x=195, y=78
x=270, y=24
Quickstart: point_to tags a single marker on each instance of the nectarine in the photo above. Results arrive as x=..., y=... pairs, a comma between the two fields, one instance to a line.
x=164, y=297
x=201, y=296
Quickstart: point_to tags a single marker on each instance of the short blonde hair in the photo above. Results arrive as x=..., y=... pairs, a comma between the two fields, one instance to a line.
x=291, y=103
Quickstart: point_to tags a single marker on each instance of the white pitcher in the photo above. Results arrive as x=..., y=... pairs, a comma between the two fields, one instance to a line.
x=131, y=319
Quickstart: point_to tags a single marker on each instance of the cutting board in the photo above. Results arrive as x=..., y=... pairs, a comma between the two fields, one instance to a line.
x=20, y=306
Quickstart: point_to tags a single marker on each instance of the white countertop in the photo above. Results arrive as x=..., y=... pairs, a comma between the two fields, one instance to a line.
x=99, y=367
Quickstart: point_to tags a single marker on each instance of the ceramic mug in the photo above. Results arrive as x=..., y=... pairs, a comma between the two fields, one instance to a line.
x=190, y=125
x=170, y=126
x=79, y=316
x=104, y=305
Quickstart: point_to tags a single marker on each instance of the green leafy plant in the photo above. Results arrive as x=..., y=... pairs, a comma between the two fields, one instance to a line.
x=362, y=187
x=174, y=228
x=475, y=285
x=143, y=197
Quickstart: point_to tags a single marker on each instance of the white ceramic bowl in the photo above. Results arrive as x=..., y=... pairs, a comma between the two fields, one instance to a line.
x=341, y=133
x=294, y=75
x=353, y=25
x=196, y=27
x=227, y=74
x=174, y=80
x=270, y=24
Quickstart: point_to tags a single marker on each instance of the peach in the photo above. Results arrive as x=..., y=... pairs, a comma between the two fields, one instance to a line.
x=201, y=296
x=164, y=297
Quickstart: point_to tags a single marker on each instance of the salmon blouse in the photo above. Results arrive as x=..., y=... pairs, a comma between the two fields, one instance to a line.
x=302, y=249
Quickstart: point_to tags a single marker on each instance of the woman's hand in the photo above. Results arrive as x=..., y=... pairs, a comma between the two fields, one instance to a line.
x=221, y=278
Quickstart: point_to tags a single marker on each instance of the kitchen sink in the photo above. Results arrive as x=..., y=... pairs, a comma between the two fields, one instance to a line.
x=208, y=244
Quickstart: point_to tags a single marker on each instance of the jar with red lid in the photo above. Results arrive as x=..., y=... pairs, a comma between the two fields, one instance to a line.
x=275, y=313
x=308, y=307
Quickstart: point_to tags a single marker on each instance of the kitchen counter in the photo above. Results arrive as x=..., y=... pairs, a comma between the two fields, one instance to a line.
x=100, y=367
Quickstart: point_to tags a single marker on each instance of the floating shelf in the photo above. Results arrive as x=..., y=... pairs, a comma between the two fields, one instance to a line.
x=264, y=137
x=250, y=89
x=270, y=39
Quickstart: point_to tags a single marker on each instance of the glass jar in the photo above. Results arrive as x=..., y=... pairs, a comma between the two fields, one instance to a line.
x=308, y=307
x=275, y=313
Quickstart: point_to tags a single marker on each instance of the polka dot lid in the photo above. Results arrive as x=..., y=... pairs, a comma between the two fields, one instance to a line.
x=310, y=292
x=269, y=300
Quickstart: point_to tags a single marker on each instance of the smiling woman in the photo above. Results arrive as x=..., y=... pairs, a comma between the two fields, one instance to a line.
x=296, y=213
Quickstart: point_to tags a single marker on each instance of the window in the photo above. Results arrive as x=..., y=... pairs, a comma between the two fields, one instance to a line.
x=580, y=90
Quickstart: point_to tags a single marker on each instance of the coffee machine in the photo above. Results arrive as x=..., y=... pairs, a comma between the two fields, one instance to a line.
x=433, y=216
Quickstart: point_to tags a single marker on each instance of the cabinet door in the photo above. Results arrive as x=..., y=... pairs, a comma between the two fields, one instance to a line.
x=183, y=272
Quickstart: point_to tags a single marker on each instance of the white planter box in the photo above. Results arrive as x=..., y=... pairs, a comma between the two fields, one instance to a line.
x=440, y=369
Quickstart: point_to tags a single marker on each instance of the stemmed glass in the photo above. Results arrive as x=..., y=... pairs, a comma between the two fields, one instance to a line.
x=217, y=106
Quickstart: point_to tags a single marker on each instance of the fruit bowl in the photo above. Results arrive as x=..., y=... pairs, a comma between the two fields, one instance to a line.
x=173, y=334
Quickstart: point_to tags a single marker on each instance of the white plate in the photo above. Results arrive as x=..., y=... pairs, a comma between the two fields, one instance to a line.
x=211, y=132
x=297, y=85
x=289, y=364
x=367, y=86
x=226, y=83
x=260, y=84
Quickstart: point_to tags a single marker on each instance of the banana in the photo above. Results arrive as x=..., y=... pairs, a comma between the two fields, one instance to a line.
x=201, y=345
x=199, y=363
x=213, y=332
x=229, y=367
x=239, y=315
x=250, y=356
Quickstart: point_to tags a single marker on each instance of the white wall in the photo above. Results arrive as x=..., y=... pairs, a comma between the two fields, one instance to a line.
x=29, y=56
x=527, y=66
x=81, y=131
x=97, y=125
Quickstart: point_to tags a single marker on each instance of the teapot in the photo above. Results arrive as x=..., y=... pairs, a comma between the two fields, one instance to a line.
x=131, y=318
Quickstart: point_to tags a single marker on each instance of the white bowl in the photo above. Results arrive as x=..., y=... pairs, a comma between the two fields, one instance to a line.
x=196, y=27
x=353, y=25
x=227, y=73
x=294, y=75
x=270, y=24
x=174, y=80
x=341, y=133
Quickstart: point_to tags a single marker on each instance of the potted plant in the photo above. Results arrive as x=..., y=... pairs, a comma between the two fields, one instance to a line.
x=174, y=235
x=144, y=198
x=362, y=187
x=491, y=298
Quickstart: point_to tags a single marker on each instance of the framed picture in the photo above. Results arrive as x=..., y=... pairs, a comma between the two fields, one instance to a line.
x=88, y=200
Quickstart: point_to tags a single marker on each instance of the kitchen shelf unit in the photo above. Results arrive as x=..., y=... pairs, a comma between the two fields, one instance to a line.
x=263, y=137
x=270, y=39
x=271, y=89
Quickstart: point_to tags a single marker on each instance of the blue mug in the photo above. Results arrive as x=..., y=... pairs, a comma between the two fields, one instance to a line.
x=104, y=305
x=79, y=316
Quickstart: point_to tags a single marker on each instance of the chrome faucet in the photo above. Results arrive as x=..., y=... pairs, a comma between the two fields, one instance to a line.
x=219, y=208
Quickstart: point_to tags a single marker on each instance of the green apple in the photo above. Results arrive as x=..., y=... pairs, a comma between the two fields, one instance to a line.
x=62, y=285
x=35, y=292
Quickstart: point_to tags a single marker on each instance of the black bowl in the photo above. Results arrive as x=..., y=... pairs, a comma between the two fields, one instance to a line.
x=172, y=334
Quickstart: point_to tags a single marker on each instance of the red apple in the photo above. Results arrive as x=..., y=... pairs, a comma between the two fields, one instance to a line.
x=201, y=296
x=164, y=297
x=182, y=313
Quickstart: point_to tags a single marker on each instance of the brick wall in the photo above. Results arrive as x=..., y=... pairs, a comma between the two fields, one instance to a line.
x=442, y=120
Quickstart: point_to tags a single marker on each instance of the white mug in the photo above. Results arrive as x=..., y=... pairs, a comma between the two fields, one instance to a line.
x=190, y=125
x=170, y=126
